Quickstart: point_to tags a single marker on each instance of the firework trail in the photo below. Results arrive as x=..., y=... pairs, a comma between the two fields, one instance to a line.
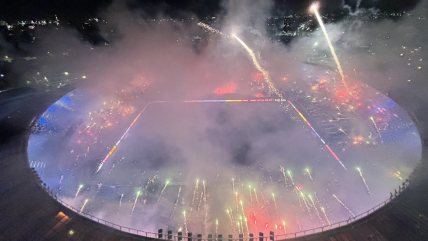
x=200, y=199
x=255, y=195
x=349, y=210
x=265, y=74
x=306, y=204
x=283, y=226
x=151, y=179
x=283, y=173
x=251, y=196
x=230, y=217
x=216, y=227
x=136, y=198
x=166, y=184
x=213, y=30
x=175, y=204
x=205, y=202
x=377, y=129
x=233, y=184
x=84, y=204
x=315, y=207
x=237, y=202
x=195, y=192
x=120, y=200
x=78, y=190
x=325, y=215
x=185, y=221
x=330, y=45
x=364, y=181
x=239, y=227
x=309, y=173
x=274, y=202
x=246, y=224
x=291, y=178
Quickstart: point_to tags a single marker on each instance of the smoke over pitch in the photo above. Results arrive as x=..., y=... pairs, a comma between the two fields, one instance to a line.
x=215, y=143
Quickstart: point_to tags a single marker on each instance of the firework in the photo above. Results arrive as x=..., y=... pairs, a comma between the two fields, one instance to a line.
x=325, y=215
x=265, y=74
x=246, y=224
x=255, y=195
x=283, y=226
x=205, y=202
x=330, y=45
x=364, y=181
x=120, y=200
x=283, y=173
x=251, y=196
x=78, y=190
x=233, y=184
x=306, y=204
x=291, y=178
x=230, y=216
x=166, y=184
x=213, y=30
x=136, y=198
x=309, y=173
x=274, y=201
x=195, y=192
x=84, y=204
x=185, y=221
x=349, y=210
x=216, y=227
x=377, y=129
x=175, y=204
x=315, y=207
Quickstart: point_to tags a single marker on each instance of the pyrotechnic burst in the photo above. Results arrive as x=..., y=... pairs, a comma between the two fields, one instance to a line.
x=364, y=181
x=349, y=210
x=330, y=45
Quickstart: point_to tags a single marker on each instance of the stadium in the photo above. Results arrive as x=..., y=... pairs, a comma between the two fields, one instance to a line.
x=312, y=154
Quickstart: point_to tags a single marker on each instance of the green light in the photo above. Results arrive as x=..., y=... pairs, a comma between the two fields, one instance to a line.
x=81, y=185
x=71, y=232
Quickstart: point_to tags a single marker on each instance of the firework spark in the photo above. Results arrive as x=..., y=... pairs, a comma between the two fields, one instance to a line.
x=330, y=45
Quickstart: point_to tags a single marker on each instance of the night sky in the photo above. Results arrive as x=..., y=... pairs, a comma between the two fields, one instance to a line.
x=79, y=10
